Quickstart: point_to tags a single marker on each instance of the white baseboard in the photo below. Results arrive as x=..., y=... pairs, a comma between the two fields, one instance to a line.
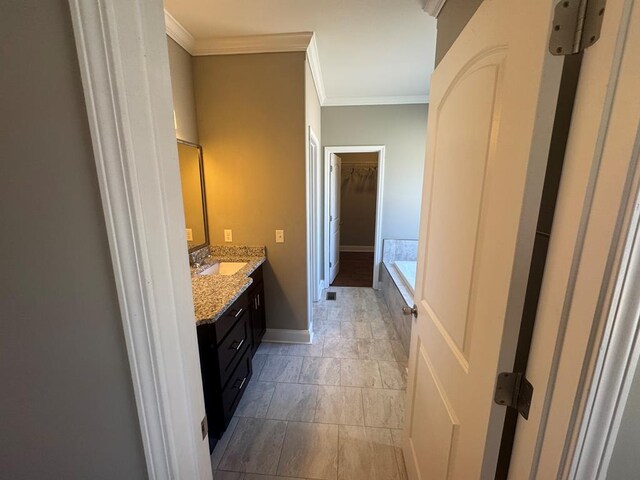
x=282, y=335
x=357, y=248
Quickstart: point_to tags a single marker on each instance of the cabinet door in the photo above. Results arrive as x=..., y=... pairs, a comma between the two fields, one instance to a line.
x=258, y=320
x=261, y=313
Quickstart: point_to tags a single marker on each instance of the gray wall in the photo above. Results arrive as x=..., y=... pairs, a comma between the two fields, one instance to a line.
x=184, y=103
x=67, y=404
x=403, y=130
x=625, y=461
x=452, y=19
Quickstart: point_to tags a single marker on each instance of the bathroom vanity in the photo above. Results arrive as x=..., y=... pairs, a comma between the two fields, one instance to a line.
x=230, y=313
x=228, y=297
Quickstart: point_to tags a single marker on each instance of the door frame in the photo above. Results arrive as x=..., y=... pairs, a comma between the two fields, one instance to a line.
x=583, y=350
x=314, y=218
x=619, y=351
x=124, y=65
x=377, y=249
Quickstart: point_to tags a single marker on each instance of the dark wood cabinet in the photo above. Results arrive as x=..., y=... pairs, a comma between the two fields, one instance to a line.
x=257, y=309
x=225, y=363
x=226, y=350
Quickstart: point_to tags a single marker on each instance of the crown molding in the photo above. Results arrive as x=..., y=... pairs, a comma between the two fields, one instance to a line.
x=283, y=42
x=178, y=33
x=433, y=7
x=391, y=100
x=316, y=72
x=280, y=42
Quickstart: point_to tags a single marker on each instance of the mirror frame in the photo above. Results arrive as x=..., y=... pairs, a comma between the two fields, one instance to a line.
x=203, y=192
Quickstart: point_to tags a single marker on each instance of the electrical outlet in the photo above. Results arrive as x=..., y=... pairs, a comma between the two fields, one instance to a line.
x=189, y=235
x=228, y=236
x=279, y=236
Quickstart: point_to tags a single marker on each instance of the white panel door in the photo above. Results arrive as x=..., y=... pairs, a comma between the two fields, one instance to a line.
x=335, y=175
x=491, y=110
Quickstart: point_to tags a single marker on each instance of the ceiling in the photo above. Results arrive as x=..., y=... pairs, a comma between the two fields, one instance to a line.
x=370, y=51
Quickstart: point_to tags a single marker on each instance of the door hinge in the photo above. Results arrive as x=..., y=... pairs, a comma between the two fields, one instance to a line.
x=576, y=25
x=330, y=264
x=331, y=168
x=204, y=427
x=513, y=390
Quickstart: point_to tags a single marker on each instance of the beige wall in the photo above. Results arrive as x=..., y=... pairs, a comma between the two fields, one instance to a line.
x=251, y=122
x=67, y=401
x=402, y=129
x=184, y=106
x=358, y=199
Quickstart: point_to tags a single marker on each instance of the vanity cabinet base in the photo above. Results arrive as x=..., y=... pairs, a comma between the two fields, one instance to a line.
x=225, y=349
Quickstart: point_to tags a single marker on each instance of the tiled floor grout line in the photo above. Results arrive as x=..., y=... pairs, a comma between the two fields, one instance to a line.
x=232, y=433
x=271, y=400
x=395, y=455
x=364, y=415
x=314, y=422
x=338, y=455
x=380, y=372
x=315, y=409
x=284, y=437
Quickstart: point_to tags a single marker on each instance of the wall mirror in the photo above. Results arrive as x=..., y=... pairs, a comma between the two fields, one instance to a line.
x=193, y=194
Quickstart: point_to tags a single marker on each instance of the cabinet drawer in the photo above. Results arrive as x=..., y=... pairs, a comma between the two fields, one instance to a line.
x=233, y=347
x=234, y=390
x=226, y=322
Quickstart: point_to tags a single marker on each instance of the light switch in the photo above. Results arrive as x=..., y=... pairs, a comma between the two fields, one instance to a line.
x=279, y=236
x=189, y=235
x=228, y=236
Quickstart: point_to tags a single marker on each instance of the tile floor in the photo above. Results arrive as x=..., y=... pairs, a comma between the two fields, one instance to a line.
x=330, y=410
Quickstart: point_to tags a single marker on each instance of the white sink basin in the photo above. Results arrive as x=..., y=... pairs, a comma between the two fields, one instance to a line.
x=223, y=268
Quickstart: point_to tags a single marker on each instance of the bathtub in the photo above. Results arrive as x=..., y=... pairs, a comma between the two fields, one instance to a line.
x=407, y=271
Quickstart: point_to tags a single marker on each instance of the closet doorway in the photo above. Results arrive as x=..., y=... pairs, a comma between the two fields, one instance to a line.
x=354, y=179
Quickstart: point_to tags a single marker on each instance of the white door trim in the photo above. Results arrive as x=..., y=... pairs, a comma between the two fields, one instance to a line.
x=314, y=213
x=614, y=371
x=582, y=273
x=377, y=254
x=123, y=60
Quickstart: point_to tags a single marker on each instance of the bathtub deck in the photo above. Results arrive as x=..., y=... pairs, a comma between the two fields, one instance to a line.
x=397, y=295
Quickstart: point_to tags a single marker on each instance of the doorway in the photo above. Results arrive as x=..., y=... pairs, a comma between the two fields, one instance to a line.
x=354, y=179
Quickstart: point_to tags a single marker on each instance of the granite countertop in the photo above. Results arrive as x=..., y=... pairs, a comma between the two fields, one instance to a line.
x=213, y=294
